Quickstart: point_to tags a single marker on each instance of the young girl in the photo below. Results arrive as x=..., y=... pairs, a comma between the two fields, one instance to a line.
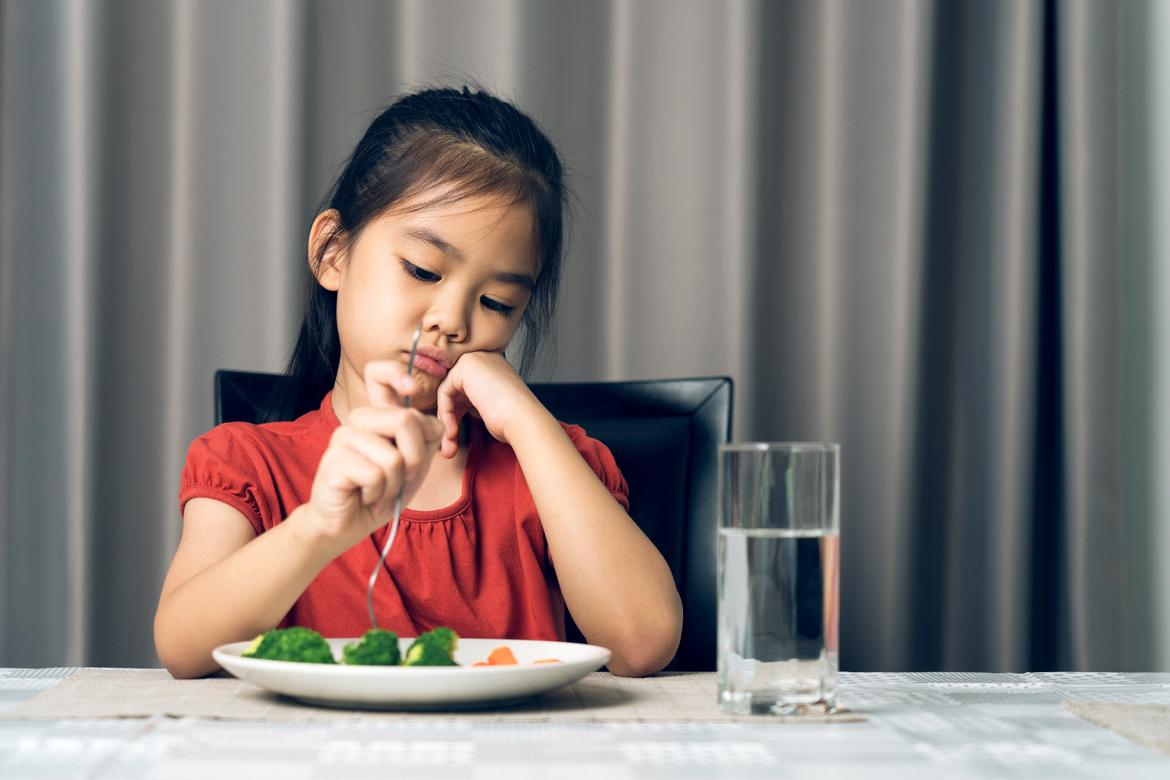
x=448, y=215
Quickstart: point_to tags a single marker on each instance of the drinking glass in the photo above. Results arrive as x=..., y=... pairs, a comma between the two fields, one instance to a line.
x=778, y=577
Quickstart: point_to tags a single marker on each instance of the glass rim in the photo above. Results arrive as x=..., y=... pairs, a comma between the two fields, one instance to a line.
x=777, y=446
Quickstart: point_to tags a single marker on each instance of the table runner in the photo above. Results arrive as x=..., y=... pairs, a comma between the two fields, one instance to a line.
x=140, y=693
x=1145, y=724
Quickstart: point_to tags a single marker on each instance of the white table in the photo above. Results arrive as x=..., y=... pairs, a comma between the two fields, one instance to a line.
x=920, y=725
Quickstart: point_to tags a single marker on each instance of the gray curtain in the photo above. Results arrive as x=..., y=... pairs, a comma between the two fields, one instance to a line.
x=895, y=223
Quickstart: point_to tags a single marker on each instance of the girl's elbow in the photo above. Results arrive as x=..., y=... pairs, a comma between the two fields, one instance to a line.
x=647, y=649
x=181, y=671
x=185, y=668
x=177, y=659
x=172, y=660
x=637, y=665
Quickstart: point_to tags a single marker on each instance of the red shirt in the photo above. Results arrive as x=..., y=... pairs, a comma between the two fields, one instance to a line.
x=480, y=566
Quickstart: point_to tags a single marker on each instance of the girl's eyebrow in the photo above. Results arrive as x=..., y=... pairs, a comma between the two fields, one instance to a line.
x=428, y=236
x=520, y=280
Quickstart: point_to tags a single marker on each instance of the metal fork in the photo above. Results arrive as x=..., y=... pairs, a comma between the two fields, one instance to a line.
x=397, y=502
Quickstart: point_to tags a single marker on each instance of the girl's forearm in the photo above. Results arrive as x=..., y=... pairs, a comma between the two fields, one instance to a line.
x=616, y=584
x=246, y=593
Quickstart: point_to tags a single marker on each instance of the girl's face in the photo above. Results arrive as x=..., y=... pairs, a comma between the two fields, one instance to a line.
x=463, y=270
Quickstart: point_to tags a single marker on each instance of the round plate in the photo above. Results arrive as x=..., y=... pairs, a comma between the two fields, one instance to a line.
x=420, y=687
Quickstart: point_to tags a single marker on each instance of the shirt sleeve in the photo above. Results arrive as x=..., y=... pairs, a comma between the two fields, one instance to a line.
x=601, y=460
x=222, y=464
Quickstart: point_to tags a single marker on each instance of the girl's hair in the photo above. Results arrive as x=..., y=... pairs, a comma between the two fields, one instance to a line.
x=458, y=144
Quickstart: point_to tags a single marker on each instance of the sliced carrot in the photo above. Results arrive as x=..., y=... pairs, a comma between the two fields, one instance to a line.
x=501, y=656
x=547, y=661
x=481, y=663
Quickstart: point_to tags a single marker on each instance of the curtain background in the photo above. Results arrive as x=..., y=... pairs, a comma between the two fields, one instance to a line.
x=933, y=231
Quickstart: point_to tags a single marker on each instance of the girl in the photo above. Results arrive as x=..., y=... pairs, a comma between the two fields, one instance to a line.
x=448, y=214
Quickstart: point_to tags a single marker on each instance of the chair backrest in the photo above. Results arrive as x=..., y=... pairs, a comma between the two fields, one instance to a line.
x=665, y=437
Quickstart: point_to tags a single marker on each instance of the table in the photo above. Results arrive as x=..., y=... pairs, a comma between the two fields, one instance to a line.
x=918, y=725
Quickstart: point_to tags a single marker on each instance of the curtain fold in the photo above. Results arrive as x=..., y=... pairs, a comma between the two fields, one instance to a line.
x=50, y=195
x=1152, y=615
x=975, y=331
x=894, y=223
x=1089, y=215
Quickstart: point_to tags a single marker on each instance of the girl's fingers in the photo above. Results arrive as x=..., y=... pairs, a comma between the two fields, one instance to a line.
x=451, y=405
x=449, y=445
x=397, y=462
x=378, y=455
x=401, y=441
x=444, y=398
x=395, y=422
x=384, y=421
x=348, y=470
x=387, y=383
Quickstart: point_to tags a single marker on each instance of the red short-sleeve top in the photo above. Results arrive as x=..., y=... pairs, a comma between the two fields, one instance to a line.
x=479, y=566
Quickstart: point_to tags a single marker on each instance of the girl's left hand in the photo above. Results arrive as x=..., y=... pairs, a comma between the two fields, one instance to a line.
x=486, y=385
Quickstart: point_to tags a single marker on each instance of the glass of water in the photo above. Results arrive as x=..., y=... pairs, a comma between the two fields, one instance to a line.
x=778, y=577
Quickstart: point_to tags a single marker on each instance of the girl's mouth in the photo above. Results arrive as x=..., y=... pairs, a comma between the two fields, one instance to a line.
x=430, y=366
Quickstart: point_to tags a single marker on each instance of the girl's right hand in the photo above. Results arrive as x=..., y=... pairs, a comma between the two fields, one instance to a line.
x=381, y=449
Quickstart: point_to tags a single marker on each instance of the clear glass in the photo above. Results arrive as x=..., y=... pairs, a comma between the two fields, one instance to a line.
x=779, y=535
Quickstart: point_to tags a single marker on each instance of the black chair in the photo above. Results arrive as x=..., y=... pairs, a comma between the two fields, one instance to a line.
x=665, y=436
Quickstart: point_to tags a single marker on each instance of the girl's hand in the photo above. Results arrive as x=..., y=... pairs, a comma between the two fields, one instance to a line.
x=381, y=449
x=486, y=385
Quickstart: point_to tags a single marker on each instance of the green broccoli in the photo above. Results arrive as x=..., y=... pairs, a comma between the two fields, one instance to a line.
x=434, y=648
x=377, y=648
x=300, y=644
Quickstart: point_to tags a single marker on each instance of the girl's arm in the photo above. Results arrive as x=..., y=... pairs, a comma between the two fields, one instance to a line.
x=616, y=584
x=226, y=584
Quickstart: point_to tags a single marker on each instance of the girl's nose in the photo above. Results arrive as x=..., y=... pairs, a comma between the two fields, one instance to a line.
x=447, y=318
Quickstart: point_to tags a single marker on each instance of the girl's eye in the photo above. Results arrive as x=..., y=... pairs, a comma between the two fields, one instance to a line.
x=422, y=274
x=499, y=308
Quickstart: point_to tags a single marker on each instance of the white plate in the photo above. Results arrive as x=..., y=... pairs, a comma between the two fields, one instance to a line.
x=420, y=687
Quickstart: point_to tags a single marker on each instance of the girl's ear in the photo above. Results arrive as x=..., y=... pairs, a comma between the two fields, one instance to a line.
x=326, y=249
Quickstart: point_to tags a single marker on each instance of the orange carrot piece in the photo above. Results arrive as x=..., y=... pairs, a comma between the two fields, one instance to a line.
x=481, y=663
x=501, y=656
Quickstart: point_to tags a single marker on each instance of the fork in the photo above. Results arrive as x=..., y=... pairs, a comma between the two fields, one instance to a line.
x=397, y=501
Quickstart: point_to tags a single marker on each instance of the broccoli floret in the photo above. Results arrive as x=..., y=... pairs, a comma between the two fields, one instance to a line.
x=434, y=648
x=300, y=644
x=377, y=648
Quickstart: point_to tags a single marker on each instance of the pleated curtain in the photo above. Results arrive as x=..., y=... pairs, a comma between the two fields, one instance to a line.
x=926, y=230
